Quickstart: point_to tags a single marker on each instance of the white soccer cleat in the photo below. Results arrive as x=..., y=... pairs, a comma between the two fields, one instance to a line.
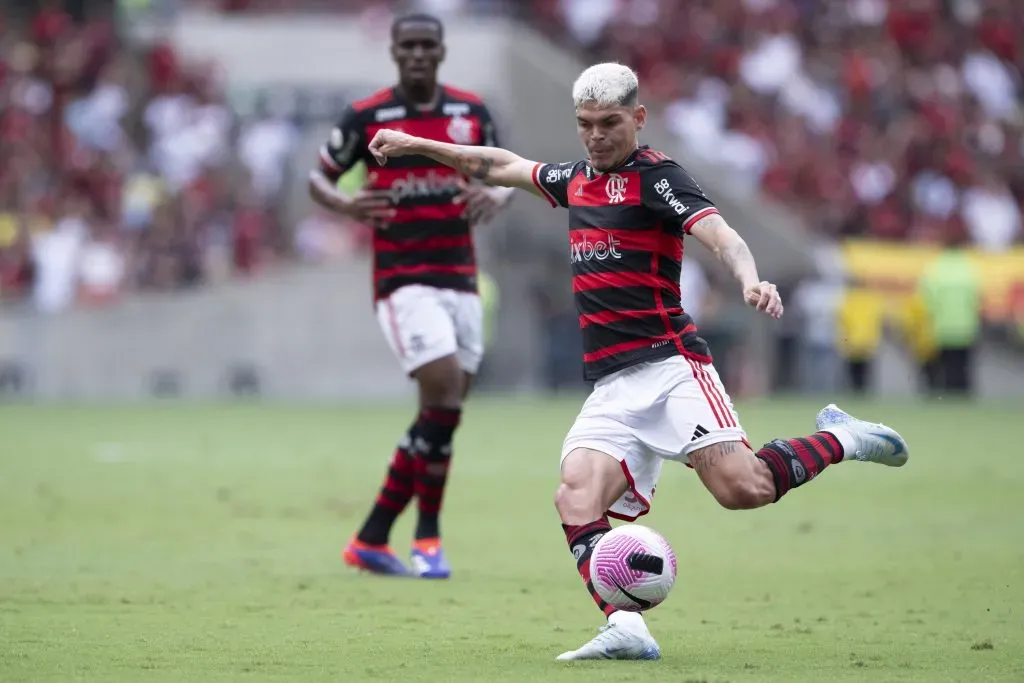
x=624, y=637
x=864, y=441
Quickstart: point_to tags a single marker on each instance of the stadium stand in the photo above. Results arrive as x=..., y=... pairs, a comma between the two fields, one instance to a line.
x=125, y=169
x=896, y=119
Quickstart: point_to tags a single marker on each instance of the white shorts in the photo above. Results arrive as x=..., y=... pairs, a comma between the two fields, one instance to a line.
x=424, y=323
x=649, y=413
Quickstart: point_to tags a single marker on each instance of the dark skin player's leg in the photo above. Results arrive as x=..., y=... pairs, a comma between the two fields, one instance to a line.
x=443, y=386
x=442, y=383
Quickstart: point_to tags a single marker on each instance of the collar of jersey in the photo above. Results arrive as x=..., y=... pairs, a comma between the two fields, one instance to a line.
x=413, y=109
x=626, y=161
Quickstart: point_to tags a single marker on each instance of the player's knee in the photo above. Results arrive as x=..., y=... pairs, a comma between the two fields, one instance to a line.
x=446, y=396
x=442, y=383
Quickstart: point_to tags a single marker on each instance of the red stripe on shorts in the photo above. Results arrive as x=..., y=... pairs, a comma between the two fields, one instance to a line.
x=393, y=324
x=704, y=388
x=717, y=394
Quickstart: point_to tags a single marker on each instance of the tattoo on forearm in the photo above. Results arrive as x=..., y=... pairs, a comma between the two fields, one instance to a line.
x=474, y=165
x=710, y=221
x=738, y=256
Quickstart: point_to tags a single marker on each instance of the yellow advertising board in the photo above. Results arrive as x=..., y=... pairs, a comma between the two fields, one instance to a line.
x=894, y=270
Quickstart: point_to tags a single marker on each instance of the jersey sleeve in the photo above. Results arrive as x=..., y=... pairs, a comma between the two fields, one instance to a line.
x=345, y=146
x=553, y=181
x=673, y=195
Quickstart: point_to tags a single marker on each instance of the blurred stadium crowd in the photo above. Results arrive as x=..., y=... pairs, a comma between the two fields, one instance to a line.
x=898, y=119
x=124, y=168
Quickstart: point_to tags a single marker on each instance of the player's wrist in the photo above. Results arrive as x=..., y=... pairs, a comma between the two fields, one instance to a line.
x=413, y=145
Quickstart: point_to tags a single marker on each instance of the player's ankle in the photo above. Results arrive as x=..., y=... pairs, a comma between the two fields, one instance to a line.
x=630, y=620
x=844, y=436
x=428, y=527
x=372, y=538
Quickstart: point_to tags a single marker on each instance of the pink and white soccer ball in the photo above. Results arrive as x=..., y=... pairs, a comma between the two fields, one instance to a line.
x=633, y=568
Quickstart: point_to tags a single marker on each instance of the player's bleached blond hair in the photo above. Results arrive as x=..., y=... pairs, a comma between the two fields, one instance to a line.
x=607, y=85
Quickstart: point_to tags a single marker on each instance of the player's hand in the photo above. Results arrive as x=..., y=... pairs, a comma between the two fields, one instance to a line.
x=390, y=143
x=482, y=203
x=764, y=296
x=372, y=207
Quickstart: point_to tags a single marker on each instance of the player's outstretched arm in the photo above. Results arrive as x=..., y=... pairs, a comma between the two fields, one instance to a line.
x=714, y=233
x=492, y=165
x=372, y=208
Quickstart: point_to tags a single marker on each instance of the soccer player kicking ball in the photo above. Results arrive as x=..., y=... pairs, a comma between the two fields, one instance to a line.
x=657, y=395
x=424, y=276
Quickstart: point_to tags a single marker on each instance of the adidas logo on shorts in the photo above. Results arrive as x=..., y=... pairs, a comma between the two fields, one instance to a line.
x=699, y=432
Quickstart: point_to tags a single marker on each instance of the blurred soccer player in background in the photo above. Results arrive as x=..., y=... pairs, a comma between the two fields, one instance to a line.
x=424, y=273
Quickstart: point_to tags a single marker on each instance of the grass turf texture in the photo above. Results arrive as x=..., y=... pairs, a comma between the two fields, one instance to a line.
x=201, y=543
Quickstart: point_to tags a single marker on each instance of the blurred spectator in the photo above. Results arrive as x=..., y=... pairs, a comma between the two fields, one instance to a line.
x=859, y=334
x=816, y=302
x=920, y=339
x=56, y=252
x=991, y=213
x=102, y=267
x=951, y=292
x=265, y=145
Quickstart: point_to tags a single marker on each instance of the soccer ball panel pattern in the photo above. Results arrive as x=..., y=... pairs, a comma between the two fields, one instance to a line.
x=633, y=568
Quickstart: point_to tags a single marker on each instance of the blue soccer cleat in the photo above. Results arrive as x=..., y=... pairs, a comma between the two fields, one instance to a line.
x=428, y=560
x=376, y=559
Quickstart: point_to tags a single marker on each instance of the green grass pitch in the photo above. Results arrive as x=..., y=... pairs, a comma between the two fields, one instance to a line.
x=200, y=543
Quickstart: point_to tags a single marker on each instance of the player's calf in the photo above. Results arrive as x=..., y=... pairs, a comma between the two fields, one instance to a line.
x=591, y=482
x=740, y=479
x=734, y=475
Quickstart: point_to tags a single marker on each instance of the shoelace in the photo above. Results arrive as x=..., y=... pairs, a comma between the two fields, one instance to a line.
x=608, y=634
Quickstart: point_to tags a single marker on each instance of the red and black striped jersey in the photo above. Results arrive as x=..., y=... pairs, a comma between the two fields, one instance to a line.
x=626, y=231
x=429, y=242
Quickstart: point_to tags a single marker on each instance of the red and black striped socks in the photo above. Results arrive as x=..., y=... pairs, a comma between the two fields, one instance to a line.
x=435, y=430
x=795, y=462
x=582, y=540
x=395, y=494
x=419, y=467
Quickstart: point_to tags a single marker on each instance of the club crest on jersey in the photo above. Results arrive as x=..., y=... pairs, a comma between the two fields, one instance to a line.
x=460, y=130
x=615, y=188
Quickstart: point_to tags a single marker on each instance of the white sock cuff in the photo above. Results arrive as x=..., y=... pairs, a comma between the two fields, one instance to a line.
x=845, y=438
